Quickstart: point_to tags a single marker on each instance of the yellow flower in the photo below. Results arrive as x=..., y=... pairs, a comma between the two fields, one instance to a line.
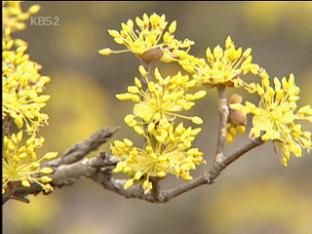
x=161, y=99
x=222, y=66
x=14, y=17
x=173, y=155
x=22, y=87
x=233, y=130
x=276, y=115
x=20, y=163
x=151, y=39
x=167, y=149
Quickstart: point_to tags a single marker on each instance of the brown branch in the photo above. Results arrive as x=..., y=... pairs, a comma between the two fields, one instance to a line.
x=6, y=123
x=105, y=178
x=8, y=195
x=155, y=187
x=215, y=171
x=223, y=118
x=80, y=150
x=163, y=196
x=100, y=168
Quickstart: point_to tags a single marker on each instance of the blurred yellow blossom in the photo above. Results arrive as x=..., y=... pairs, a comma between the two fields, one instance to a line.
x=28, y=218
x=172, y=155
x=222, y=66
x=275, y=117
x=268, y=18
x=152, y=40
x=67, y=114
x=265, y=206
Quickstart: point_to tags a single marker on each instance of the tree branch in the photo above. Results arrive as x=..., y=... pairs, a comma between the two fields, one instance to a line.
x=99, y=169
x=67, y=174
x=215, y=171
x=223, y=118
x=80, y=150
x=163, y=196
x=71, y=165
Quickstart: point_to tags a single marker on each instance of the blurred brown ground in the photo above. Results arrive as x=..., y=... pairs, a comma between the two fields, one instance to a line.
x=255, y=195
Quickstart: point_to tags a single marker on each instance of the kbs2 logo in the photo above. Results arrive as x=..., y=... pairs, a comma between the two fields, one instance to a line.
x=45, y=21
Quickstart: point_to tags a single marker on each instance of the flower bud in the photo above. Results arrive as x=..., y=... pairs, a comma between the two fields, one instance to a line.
x=196, y=120
x=105, y=52
x=46, y=170
x=238, y=118
x=153, y=54
x=45, y=179
x=235, y=98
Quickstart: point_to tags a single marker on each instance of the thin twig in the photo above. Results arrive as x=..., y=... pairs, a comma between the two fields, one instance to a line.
x=223, y=118
x=8, y=195
x=155, y=187
x=214, y=172
x=136, y=191
x=154, y=180
x=80, y=150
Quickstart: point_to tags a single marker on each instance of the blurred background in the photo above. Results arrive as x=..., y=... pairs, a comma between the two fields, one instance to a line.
x=255, y=195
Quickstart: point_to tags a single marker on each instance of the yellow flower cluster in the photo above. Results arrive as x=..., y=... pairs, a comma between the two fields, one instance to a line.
x=22, y=88
x=162, y=99
x=222, y=66
x=20, y=163
x=171, y=155
x=275, y=117
x=159, y=100
x=151, y=39
x=167, y=149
